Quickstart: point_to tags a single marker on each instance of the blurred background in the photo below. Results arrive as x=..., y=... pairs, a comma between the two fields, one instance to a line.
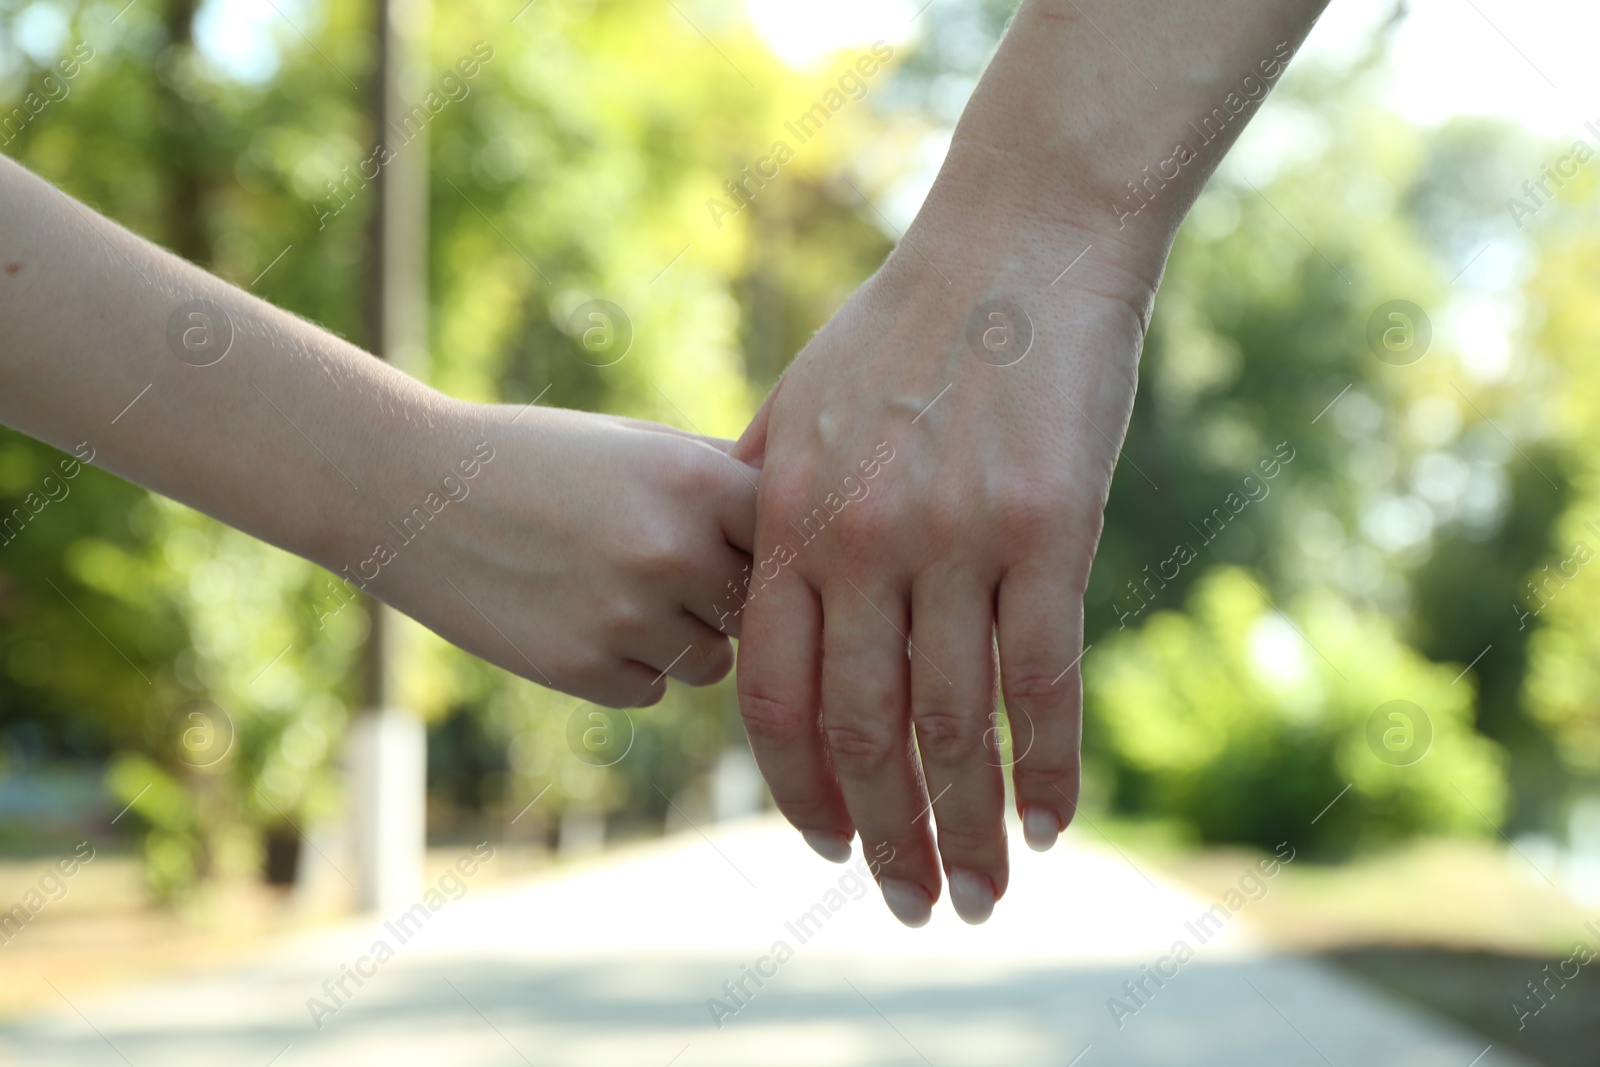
x=1392, y=280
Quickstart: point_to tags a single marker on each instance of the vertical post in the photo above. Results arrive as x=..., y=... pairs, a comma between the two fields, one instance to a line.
x=387, y=745
x=397, y=310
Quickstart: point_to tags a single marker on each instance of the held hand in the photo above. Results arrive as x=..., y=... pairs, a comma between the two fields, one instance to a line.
x=868, y=669
x=586, y=553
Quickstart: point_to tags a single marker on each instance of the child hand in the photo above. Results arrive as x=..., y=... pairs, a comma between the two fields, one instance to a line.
x=590, y=554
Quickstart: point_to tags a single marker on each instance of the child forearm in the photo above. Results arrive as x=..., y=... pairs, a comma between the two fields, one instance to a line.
x=190, y=386
x=581, y=551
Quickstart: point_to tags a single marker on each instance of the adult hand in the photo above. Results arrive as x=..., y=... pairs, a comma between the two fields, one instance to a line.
x=868, y=662
x=936, y=464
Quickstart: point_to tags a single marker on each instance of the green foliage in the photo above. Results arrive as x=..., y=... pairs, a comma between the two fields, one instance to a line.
x=170, y=812
x=1418, y=492
x=580, y=164
x=1559, y=594
x=1235, y=718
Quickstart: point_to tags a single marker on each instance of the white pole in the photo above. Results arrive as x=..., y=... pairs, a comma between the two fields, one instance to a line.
x=387, y=744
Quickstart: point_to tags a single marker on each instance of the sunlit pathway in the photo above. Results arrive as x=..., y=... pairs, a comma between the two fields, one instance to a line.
x=622, y=962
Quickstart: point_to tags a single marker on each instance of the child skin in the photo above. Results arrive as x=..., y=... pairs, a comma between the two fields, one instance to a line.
x=586, y=552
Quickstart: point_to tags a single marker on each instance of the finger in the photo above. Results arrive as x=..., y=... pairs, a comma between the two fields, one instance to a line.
x=568, y=667
x=866, y=717
x=780, y=658
x=1041, y=635
x=686, y=649
x=717, y=597
x=953, y=711
x=730, y=483
x=624, y=684
x=735, y=506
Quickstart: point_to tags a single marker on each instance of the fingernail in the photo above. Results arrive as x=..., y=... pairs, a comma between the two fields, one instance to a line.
x=831, y=846
x=1040, y=828
x=908, y=900
x=972, y=895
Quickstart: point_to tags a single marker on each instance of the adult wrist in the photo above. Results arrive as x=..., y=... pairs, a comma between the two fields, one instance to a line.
x=993, y=228
x=1068, y=130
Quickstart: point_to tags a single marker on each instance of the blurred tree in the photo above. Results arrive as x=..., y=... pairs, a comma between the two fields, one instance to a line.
x=1250, y=724
x=578, y=162
x=1417, y=492
x=1558, y=594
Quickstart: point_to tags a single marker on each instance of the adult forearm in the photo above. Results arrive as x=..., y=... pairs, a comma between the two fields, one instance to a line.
x=183, y=383
x=1109, y=116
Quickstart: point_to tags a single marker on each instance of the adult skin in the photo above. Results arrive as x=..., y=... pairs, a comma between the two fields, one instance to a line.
x=868, y=664
x=586, y=554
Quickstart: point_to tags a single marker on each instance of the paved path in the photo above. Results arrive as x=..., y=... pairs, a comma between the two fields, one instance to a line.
x=613, y=963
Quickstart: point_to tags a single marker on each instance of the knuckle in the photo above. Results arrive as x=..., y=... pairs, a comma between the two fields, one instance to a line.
x=707, y=662
x=652, y=550
x=774, y=720
x=862, y=750
x=600, y=687
x=688, y=470
x=859, y=528
x=672, y=558
x=1051, y=776
x=966, y=838
x=587, y=671
x=947, y=737
x=603, y=676
x=949, y=513
x=638, y=693
x=1028, y=506
x=1033, y=688
x=626, y=615
x=896, y=852
x=1046, y=510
